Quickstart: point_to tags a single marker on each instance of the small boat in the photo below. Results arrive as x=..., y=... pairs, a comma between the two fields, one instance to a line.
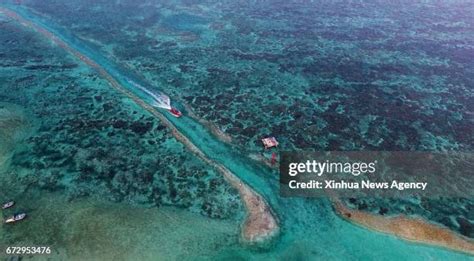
x=175, y=112
x=274, y=158
x=15, y=218
x=8, y=204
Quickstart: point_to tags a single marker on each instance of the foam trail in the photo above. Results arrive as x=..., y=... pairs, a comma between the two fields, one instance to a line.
x=159, y=99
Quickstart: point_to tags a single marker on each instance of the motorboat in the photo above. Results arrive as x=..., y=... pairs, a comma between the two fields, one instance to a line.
x=175, y=112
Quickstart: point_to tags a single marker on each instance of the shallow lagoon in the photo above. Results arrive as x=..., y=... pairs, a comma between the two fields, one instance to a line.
x=319, y=76
x=84, y=135
x=295, y=223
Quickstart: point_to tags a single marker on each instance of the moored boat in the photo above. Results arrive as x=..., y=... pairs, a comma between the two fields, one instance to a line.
x=8, y=204
x=15, y=218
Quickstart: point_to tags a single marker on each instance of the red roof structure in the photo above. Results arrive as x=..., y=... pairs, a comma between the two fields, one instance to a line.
x=270, y=142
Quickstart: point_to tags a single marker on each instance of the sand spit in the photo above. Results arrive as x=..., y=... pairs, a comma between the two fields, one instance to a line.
x=260, y=223
x=411, y=229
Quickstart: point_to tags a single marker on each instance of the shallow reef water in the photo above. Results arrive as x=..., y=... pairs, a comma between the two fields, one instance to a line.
x=323, y=75
x=90, y=228
x=92, y=141
x=318, y=76
x=14, y=126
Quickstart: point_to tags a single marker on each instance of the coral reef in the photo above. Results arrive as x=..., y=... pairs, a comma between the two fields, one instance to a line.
x=319, y=76
x=90, y=142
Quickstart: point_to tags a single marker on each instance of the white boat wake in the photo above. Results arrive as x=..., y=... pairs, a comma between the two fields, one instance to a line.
x=160, y=100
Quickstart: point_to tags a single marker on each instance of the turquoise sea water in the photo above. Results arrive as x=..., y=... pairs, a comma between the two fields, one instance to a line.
x=310, y=229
